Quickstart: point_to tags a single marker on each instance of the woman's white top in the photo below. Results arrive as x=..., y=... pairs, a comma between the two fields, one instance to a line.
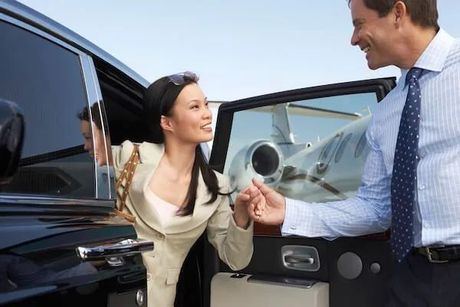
x=164, y=209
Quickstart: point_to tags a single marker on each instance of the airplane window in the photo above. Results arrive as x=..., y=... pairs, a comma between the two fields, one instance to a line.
x=342, y=147
x=361, y=145
x=327, y=153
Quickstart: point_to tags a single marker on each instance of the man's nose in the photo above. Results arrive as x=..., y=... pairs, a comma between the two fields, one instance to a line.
x=354, y=39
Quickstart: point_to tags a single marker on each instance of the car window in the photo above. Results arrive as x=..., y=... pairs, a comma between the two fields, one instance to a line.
x=313, y=150
x=45, y=80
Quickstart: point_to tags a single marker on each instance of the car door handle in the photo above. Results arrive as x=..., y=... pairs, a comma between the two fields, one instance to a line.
x=293, y=259
x=123, y=248
x=300, y=257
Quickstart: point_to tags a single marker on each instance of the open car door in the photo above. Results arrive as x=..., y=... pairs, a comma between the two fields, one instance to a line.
x=308, y=144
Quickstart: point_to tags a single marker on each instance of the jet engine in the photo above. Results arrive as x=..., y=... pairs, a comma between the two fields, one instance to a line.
x=262, y=160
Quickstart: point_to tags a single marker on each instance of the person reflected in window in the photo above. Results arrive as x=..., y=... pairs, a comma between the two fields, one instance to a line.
x=93, y=127
x=174, y=196
x=86, y=131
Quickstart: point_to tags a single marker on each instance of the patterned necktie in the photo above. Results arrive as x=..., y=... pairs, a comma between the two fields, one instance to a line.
x=404, y=180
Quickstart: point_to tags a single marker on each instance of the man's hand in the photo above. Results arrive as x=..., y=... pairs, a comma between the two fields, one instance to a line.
x=266, y=205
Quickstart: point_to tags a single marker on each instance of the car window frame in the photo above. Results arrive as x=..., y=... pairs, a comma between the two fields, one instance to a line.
x=93, y=95
x=224, y=121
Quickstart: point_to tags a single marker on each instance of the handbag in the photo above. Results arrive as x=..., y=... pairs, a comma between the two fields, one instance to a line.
x=124, y=182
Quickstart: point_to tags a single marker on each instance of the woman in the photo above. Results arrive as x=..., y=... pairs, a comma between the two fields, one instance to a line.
x=174, y=196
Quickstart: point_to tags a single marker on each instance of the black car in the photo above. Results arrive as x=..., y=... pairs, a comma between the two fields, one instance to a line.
x=61, y=242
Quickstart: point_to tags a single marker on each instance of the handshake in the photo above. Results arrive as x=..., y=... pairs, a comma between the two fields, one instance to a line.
x=259, y=203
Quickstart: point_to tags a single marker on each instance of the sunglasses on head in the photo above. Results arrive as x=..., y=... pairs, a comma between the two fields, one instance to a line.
x=183, y=77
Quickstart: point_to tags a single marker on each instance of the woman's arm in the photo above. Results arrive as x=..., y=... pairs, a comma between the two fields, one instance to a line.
x=233, y=243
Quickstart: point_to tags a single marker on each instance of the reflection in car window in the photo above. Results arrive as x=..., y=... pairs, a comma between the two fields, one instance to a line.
x=45, y=80
x=317, y=132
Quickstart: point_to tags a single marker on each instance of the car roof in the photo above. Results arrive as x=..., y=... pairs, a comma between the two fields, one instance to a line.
x=26, y=14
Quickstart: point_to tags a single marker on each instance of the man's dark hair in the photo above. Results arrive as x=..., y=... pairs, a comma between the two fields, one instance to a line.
x=422, y=12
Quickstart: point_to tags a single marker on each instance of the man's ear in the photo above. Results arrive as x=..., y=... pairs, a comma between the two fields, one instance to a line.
x=165, y=123
x=399, y=12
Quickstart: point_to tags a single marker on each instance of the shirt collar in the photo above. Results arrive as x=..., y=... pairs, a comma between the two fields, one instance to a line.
x=435, y=54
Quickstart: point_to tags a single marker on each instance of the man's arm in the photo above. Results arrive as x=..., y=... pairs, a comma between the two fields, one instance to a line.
x=367, y=212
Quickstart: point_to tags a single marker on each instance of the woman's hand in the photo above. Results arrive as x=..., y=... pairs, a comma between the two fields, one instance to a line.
x=266, y=206
x=242, y=203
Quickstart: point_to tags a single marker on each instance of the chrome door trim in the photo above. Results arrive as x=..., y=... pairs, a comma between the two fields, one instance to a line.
x=41, y=200
x=114, y=252
x=94, y=96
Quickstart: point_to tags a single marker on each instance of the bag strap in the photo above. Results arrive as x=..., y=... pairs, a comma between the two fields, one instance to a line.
x=124, y=182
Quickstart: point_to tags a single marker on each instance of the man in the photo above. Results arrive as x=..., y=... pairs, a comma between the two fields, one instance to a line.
x=411, y=177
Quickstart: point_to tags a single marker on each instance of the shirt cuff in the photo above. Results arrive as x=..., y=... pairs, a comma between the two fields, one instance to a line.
x=296, y=217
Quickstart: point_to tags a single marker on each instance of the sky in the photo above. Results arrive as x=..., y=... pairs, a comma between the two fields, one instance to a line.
x=239, y=48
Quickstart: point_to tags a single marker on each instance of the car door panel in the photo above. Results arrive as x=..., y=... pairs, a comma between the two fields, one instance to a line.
x=320, y=165
x=46, y=268
x=227, y=287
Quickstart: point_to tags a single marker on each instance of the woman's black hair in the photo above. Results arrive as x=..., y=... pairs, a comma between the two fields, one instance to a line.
x=95, y=116
x=159, y=100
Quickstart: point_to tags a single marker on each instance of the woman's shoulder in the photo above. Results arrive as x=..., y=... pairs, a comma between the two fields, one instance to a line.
x=121, y=153
x=124, y=147
x=150, y=152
